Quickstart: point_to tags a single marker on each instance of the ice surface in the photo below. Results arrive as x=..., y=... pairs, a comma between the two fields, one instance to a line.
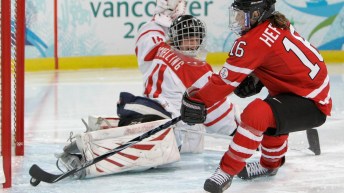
x=55, y=102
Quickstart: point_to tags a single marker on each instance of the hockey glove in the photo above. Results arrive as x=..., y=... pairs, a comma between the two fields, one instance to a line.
x=167, y=10
x=192, y=111
x=174, y=7
x=248, y=87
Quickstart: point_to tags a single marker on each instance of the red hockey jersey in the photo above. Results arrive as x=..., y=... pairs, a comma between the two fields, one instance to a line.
x=281, y=59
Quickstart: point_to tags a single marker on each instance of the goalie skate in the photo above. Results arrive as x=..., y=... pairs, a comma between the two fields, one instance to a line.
x=70, y=162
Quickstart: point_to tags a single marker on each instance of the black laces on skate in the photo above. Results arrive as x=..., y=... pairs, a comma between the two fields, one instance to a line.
x=220, y=177
x=71, y=137
x=255, y=169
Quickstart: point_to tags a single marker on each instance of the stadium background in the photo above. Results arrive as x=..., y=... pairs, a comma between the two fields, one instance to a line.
x=79, y=34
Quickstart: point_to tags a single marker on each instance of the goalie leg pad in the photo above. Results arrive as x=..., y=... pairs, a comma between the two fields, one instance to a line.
x=99, y=122
x=154, y=151
x=190, y=139
x=126, y=130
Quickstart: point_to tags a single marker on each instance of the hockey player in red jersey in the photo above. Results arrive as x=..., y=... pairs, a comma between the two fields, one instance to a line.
x=270, y=53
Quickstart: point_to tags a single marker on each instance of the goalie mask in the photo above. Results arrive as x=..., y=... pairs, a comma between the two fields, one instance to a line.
x=247, y=14
x=187, y=35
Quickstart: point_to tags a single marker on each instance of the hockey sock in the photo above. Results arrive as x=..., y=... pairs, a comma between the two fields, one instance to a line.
x=256, y=118
x=273, y=150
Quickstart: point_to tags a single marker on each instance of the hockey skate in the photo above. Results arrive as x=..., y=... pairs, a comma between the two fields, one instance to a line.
x=218, y=182
x=70, y=162
x=255, y=170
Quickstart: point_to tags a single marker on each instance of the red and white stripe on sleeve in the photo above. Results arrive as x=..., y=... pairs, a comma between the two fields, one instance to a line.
x=222, y=84
x=150, y=35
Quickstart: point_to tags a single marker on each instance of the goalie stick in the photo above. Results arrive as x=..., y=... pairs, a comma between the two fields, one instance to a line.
x=38, y=174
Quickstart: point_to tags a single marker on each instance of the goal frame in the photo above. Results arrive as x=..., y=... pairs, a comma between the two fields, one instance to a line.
x=6, y=83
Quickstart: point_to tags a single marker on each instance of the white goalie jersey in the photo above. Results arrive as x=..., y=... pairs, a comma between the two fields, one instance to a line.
x=167, y=74
x=149, y=36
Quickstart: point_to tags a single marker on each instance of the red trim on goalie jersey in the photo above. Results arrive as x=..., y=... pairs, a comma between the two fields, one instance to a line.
x=151, y=54
x=150, y=82
x=160, y=81
x=182, y=65
x=148, y=31
x=156, y=38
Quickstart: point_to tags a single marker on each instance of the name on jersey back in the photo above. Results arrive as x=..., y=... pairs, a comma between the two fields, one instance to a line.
x=270, y=35
x=170, y=57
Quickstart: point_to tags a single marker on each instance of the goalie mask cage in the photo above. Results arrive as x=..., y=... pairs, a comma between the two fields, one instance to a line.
x=12, y=27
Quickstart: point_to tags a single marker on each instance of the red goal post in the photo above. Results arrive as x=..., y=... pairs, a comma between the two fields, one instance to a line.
x=12, y=43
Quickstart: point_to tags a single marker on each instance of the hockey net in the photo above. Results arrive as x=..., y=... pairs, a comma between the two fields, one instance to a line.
x=12, y=42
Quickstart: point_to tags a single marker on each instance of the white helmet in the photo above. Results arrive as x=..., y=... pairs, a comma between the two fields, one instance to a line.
x=187, y=34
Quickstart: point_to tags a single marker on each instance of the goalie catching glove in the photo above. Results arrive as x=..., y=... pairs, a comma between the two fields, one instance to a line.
x=167, y=10
x=249, y=87
x=192, y=111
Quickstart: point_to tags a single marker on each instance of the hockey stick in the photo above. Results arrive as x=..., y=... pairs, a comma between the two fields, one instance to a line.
x=313, y=141
x=312, y=137
x=38, y=174
x=214, y=135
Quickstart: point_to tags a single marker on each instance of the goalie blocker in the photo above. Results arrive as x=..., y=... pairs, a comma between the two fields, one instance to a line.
x=192, y=111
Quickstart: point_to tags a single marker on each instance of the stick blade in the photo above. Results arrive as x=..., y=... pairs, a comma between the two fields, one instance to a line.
x=39, y=174
x=313, y=141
